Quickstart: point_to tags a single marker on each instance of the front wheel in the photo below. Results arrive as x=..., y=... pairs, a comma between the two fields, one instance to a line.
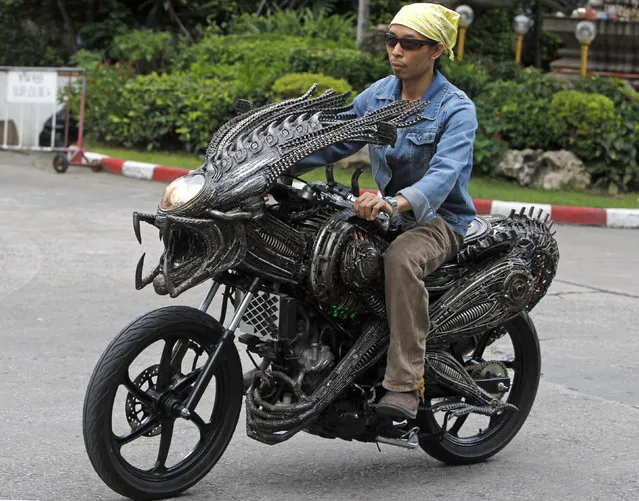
x=472, y=438
x=136, y=441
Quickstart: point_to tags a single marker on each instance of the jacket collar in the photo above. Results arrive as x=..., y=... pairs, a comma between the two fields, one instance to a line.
x=390, y=90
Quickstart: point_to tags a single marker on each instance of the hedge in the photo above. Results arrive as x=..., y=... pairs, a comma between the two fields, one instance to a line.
x=296, y=84
x=357, y=68
x=517, y=108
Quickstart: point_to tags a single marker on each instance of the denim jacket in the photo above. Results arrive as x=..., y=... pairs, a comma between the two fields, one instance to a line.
x=431, y=162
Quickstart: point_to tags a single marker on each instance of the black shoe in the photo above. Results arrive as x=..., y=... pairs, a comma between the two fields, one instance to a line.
x=404, y=404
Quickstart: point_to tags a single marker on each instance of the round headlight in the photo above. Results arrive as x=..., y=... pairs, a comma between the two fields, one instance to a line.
x=181, y=191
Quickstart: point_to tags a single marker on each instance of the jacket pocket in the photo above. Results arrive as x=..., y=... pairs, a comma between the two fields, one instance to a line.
x=422, y=138
x=421, y=148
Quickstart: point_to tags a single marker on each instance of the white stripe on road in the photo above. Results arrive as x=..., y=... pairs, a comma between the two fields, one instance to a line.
x=622, y=218
x=91, y=156
x=140, y=170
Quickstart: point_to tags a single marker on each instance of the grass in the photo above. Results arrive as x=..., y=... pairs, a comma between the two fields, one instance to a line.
x=495, y=189
x=170, y=159
x=480, y=188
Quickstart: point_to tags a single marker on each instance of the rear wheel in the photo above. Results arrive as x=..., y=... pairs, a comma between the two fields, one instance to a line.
x=60, y=163
x=473, y=438
x=133, y=432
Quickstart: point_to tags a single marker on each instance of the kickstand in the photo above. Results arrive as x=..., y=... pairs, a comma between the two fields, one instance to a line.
x=445, y=423
x=444, y=429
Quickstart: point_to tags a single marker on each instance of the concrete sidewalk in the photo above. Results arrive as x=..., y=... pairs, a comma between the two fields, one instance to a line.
x=611, y=218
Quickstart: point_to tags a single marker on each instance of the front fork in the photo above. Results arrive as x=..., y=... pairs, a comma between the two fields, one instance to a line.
x=228, y=336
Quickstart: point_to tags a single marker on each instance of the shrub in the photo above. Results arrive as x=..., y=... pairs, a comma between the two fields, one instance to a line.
x=502, y=70
x=524, y=124
x=105, y=90
x=618, y=151
x=489, y=149
x=150, y=51
x=296, y=84
x=579, y=118
x=467, y=76
x=505, y=118
x=173, y=111
x=250, y=63
x=206, y=105
x=357, y=68
x=313, y=23
x=619, y=91
x=272, y=49
x=87, y=59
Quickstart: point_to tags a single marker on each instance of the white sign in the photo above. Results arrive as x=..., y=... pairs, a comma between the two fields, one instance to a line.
x=32, y=87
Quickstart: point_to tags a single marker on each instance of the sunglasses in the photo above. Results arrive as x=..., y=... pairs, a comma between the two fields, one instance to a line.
x=407, y=43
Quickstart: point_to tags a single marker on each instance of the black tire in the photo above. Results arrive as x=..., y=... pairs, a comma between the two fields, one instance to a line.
x=173, y=324
x=452, y=449
x=60, y=163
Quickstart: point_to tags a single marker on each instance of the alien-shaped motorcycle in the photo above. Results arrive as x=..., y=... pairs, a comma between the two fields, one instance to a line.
x=303, y=277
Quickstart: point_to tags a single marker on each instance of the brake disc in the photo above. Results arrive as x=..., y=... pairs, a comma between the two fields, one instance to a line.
x=136, y=411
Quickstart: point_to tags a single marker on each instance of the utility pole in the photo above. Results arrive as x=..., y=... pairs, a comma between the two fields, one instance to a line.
x=362, y=20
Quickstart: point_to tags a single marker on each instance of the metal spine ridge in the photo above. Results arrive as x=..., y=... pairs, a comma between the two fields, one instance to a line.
x=260, y=144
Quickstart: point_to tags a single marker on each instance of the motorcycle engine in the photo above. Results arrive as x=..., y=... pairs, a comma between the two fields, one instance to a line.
x=296, y=341
x=346, y=266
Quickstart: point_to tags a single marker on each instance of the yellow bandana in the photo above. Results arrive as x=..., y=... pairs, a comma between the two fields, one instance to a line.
x=433, y=21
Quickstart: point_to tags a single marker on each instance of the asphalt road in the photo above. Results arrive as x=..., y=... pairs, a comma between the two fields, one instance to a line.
x=67, y=258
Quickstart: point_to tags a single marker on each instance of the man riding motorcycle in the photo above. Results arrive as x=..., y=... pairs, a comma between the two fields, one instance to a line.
x=424, y=179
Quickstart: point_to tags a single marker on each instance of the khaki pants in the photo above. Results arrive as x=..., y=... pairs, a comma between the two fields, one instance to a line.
x=410, y=258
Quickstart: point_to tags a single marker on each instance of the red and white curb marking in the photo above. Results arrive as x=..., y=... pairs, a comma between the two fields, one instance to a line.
x=610, y=218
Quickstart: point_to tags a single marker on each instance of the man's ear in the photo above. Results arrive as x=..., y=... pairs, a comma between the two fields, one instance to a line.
x=439, y=50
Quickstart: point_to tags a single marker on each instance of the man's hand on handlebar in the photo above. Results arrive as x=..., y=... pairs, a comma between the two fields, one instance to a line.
x=369, y=205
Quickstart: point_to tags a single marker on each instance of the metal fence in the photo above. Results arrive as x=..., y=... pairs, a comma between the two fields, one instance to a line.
x=35, y=108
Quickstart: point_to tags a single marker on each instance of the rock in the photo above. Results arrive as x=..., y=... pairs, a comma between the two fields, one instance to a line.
x=561, y=169
x=519, y=165
x=550, y=170
x=547, y=170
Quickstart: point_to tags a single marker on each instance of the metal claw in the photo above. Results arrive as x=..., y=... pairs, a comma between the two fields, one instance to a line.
x=136, y=227
x=138, y=272
x=141, y=282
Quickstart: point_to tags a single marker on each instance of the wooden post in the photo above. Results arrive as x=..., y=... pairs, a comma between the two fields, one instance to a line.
x=462, y=43
x=520, y=44
x=584, y=58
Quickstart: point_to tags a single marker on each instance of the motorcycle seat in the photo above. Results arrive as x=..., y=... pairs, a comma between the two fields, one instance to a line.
x=445, y=276
x=478, y=227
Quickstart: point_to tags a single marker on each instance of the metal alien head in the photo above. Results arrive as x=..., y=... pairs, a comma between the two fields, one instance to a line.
x=203, y=216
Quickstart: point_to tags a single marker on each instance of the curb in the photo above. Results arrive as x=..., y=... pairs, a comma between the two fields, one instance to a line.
x=609, y=218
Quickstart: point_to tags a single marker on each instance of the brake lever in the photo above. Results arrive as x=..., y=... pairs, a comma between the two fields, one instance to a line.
x=355, y=181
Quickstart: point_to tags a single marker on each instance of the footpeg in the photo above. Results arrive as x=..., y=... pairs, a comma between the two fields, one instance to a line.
x=458, y=409
x=408, y=440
